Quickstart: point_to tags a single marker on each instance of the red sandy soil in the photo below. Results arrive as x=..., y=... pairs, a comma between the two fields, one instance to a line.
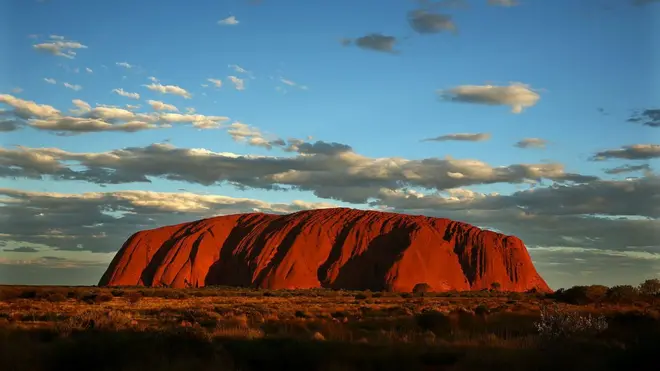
x=332, y=248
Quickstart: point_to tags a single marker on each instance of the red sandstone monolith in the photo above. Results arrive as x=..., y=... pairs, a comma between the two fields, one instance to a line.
x=331, y=248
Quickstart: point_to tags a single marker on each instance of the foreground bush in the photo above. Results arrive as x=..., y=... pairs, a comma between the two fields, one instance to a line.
x=556, y=324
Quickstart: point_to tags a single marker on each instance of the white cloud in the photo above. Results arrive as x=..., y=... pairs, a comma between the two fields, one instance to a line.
x=239, y=69
x=198, y=121
x=124, y=64
x=217, y=83
x=292, y=84
x=82, y=107
x=89, y=70
x=153, y=79
x=87, y=119
x=465, y=137
x=49, y=80
x=239, y=84
x=28, y=109
x=531, y=143
x=61, y=48
x=161, y=106
x=518, y=96
x=89, y=125
x=169, y=89
x=126, y=94
x=72, y=86
x=229, y=21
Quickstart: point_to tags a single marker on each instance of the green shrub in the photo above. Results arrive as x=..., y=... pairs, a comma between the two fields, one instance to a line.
x=434, y=321
x=421, y=288
x=560, y=324
x=622, y=294
x=103, y=298
x=481, y=310
x=582, y=295
x=134, y=297
x=56, y=297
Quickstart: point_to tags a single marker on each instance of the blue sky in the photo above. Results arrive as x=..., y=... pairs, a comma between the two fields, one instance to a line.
x=590, y=62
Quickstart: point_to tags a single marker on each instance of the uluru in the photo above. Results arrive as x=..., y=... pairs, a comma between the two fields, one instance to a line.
x=337, y=248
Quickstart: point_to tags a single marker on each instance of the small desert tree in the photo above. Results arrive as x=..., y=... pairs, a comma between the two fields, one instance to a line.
x=650, y=287
x=495, y=286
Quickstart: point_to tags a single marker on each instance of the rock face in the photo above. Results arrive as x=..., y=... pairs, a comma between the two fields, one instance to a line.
x=332, y=248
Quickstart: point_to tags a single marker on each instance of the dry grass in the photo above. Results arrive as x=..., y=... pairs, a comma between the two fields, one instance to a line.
x=241, y=329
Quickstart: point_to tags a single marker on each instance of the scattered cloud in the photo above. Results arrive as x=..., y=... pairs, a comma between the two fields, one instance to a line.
x=465, y=137
x=11, y=124
x=216, y=82
x=80, y=222
x=153, y=79
x=81, y=107
x=72, y=86
x=648, y=117
x=17, y=90
x=197, y=120
x=89, y=70
x=628, y=169
x=169, y=89
x=517, y=95
x=504, y=3
x=88, y=119
x=239, y=83
x=239, y=69
x=244, y=133
x=614, y=215
x=126, y=94
x=531, y=143
x=161, y=106
x=26, y=109
x=292, y=84
x=124, y=64
x=329, y=170
x=375, y=41
x=425, y=22
x=60, y=47
x=50, y=81
x=229, y=21
x=632, y=152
